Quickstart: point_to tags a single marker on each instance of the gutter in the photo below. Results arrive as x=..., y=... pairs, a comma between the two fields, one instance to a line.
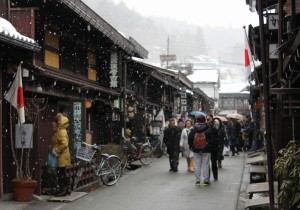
x=19, y=43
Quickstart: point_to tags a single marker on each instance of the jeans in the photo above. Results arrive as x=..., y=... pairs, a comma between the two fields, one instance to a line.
x=202, y=161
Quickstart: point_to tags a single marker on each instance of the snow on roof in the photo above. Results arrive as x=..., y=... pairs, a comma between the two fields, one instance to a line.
x=232, y=87
x=7, y=29
x=145, y=61
x=204, y=76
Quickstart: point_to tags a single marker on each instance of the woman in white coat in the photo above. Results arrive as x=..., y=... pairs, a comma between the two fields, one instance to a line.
x=185, y=146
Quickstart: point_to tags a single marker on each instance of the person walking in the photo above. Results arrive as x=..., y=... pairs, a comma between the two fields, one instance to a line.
x=172, y=139
x=233, y=133
x=217, y=147
x=184, y=145
x=201, y=153
x=60, y=149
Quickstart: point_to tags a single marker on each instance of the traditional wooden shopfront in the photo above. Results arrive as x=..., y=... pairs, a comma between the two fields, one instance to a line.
x=275, y=96
x=78, y=72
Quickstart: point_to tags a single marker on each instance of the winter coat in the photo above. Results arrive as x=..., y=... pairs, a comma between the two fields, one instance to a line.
x=184, y=142
x=172, y=138
x=60, y=143
x=218, y=136
x=233, y=131
x=201, y=128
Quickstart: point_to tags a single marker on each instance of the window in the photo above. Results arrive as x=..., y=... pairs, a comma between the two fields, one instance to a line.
x=92, y=73
x=52, y=49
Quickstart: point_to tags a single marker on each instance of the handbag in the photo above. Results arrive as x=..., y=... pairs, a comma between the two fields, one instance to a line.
x=52, y=160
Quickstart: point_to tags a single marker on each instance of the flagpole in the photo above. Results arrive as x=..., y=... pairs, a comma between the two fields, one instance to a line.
x=252, y=59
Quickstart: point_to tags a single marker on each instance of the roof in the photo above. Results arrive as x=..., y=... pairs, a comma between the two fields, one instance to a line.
x=205, y=76
x=175, y=74
x=10, y=35
x=131, y=46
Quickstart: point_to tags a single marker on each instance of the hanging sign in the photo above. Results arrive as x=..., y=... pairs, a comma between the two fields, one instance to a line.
x=114, y=69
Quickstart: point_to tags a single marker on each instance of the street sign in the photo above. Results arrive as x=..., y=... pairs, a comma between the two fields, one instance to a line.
x=164, y=58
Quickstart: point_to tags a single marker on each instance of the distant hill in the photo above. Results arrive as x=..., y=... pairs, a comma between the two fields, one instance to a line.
x=224, y=44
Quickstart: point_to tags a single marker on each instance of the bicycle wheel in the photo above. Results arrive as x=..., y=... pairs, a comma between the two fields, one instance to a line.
x=78, y=174
x=124, y=160
x=111, y=170
x=146, y=156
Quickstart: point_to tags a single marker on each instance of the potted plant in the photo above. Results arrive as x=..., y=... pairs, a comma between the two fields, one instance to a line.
x=23, y=183
x=287, y=168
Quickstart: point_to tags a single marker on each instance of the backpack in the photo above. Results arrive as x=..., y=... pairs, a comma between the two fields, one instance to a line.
x=199, y=141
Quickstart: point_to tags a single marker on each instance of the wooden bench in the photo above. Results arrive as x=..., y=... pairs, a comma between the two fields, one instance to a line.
x=256, y=170
x=259, y=160
x=255, y=203
x=262, y=187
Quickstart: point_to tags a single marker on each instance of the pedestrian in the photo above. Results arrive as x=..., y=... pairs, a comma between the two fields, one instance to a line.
x=209, y=119
x=180, y=123
x=172, y=139
x=233, y=132
x=217, y=146
x=60, y=149
x=201, y=154
x=184, y=145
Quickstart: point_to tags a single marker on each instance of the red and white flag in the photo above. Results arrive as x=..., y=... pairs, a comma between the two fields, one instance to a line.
x=247, y=54
x=15, y=95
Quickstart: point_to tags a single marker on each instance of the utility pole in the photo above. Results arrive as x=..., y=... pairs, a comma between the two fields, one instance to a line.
x=168, y=50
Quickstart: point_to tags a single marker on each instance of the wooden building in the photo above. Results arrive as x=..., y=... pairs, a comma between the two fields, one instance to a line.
x=79, y=71
x=83, y=67
x=277, y=80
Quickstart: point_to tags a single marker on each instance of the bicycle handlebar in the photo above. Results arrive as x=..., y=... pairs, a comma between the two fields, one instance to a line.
x=94, y=146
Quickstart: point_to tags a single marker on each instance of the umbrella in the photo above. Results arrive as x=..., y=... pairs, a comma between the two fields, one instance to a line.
x=236, y=116
x=223, y=119
x=197, y=113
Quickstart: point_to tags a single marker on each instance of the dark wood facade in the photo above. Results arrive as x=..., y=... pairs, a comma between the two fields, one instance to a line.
x=277, y=89
x=234, y=101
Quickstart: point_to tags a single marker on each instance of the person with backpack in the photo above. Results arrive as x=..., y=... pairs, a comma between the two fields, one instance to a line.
x=172, y=139
x=199, y=140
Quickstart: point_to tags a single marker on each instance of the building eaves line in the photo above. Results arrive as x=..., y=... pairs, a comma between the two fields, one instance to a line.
x=105, y=28
x=20, y=43
x=76, y=81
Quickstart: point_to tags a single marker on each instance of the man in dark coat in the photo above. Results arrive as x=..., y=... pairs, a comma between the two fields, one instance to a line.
x=218, y=146
x=172, y=140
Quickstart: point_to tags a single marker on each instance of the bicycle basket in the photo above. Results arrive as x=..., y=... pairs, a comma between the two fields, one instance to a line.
x=85, y=153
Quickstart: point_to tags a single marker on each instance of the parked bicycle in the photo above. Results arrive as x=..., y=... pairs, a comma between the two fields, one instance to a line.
x=158, y=146
x=135, y=151
x=108, y=169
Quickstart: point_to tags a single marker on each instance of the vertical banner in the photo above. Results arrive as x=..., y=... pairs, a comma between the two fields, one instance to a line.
x=77, y=124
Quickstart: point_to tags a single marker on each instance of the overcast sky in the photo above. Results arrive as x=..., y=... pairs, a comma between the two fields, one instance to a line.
x=233, y=13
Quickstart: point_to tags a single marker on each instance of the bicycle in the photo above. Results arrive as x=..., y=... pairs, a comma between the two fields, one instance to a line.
x=109, y=169
x=142, y=152
x=157, y=145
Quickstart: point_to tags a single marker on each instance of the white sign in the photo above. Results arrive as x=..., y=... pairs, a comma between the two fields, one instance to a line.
x=113, y=69
x=273, y=52
x=183, y=101
x=183, y=108
x=273, y=22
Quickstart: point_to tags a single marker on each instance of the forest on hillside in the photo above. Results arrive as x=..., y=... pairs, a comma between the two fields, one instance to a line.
x=222, y=43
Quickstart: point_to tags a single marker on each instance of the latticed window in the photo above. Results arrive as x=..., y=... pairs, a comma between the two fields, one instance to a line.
x=52, y=49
